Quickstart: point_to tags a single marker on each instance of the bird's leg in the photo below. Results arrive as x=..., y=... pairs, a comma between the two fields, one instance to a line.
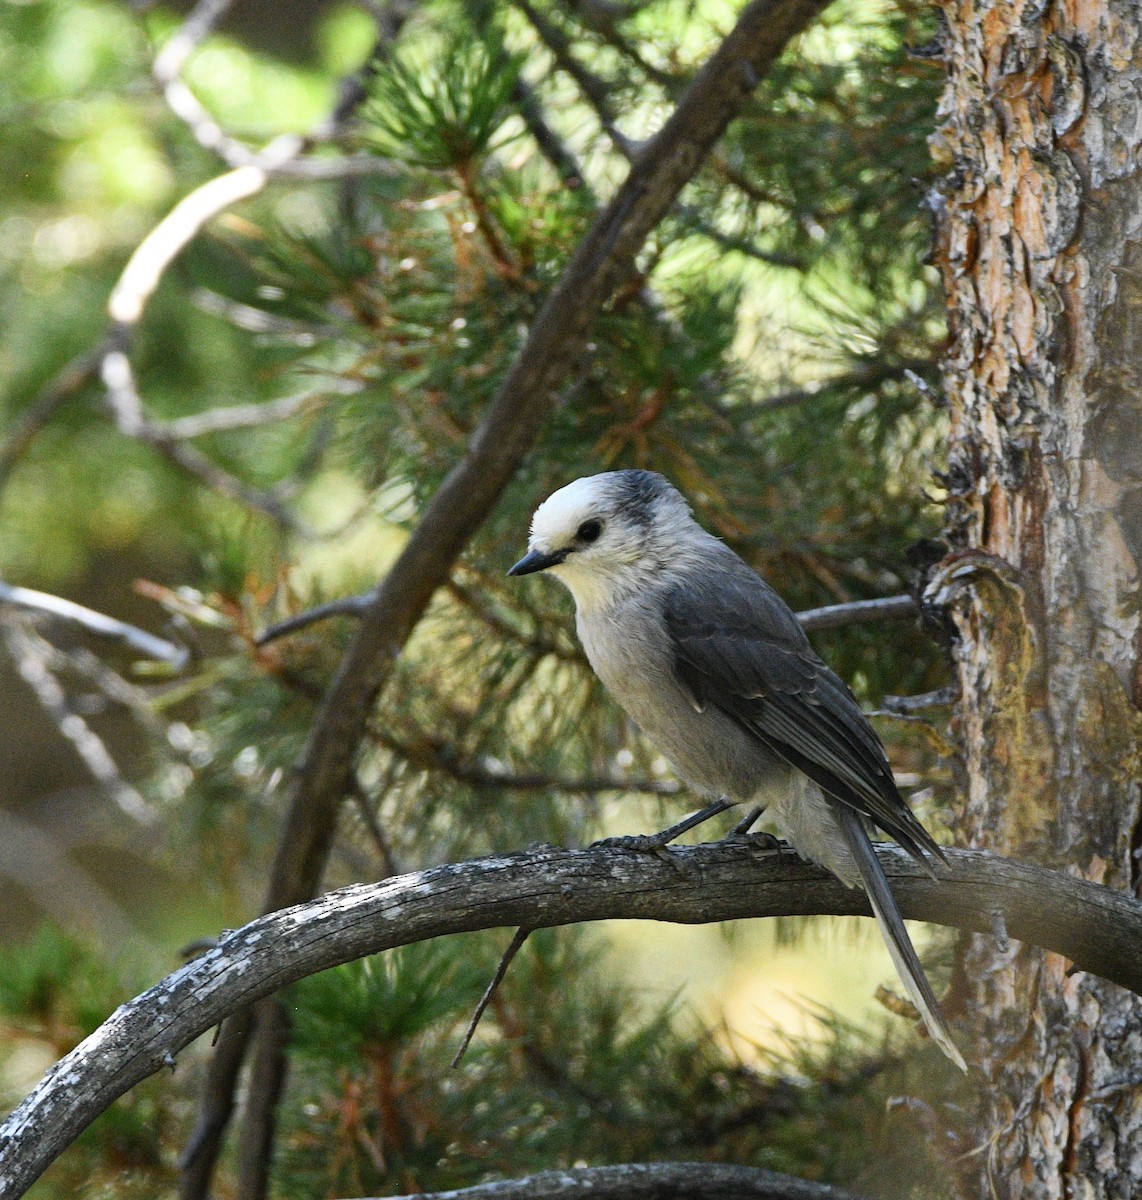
x=656, y=843
x=741, y=832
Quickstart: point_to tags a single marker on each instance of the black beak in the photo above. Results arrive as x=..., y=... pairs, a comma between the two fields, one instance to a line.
x=536, y=560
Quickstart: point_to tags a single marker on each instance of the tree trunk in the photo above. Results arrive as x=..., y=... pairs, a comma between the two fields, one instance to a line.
x=1040, y=245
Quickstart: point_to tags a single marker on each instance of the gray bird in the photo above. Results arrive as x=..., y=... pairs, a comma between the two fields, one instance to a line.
x=716, y=670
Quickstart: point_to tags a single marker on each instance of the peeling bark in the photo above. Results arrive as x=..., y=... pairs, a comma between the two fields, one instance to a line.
x=1041, y=252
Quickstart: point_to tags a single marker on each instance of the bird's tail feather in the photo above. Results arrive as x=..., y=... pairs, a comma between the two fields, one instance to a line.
x=895, y=935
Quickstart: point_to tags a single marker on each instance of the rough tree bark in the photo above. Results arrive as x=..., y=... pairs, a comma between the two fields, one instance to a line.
x=1041, y=251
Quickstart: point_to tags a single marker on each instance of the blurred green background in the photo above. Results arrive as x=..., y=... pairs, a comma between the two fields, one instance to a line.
x=771, y=362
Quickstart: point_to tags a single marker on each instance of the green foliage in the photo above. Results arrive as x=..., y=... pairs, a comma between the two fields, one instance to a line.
x=442, y=112
x=54, y=991
x=760, y=361
x=56, y=984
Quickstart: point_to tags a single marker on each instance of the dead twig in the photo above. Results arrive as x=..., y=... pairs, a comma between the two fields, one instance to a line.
x=30, y=655
x=134, y=638
x=514, y=947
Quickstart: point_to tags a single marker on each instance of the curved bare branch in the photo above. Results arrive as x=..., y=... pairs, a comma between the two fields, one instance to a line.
x=1098, y=929
x=648, y=1181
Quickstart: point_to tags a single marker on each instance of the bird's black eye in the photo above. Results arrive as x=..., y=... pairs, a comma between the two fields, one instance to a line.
x=589, y=531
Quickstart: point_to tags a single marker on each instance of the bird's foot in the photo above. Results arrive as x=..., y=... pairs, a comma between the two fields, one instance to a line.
x=643, y=843
x=767, y=842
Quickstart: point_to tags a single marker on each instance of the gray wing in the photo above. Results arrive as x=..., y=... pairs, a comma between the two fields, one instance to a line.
x=739, y=648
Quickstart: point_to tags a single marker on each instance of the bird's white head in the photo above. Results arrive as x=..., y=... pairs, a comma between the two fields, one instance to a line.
x=605, y=536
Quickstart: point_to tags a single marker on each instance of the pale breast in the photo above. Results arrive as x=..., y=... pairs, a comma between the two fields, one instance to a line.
x=629, y=648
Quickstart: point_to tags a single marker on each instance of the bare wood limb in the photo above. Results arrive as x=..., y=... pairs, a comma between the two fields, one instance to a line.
x=134, y=638
x=648, y=1181
x=603, y=260
x=859, y=612
x=1098, y=929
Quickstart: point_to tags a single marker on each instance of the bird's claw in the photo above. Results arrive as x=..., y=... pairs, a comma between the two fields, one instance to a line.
x=641, y=843
x=767, y=842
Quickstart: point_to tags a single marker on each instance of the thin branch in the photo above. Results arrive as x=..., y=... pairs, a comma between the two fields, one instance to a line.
x=695, y=222
x=72, y=378
x=345, y=606
x=535, y=643
x=239, y=416
x=648, y=1181
x=866, y=375
x=155, y=253
x=429, y=757
x=126, y=406
x=30, y=660
x=134, y=638
x=903, y=706
x=603, y=18
x=1098, y=929
x=594, y=89
x=172, y=234
x=604, y=259
x=550, y=144
x=281, y=157
x=257, y=320
x=514, y=947
x=859, y=612
x=367, y=811
x=832, y=616
x=79, y=661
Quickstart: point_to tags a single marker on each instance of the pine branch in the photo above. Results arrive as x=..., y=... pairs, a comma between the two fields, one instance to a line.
x=1099, y=930
x=604, y=259
x=647, y=1181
